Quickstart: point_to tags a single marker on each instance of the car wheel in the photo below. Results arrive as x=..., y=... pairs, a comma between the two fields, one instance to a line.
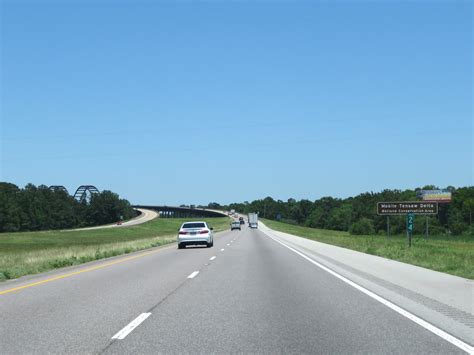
x=180, y=246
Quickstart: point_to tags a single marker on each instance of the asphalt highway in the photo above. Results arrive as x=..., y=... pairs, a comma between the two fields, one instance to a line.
x=247, y=294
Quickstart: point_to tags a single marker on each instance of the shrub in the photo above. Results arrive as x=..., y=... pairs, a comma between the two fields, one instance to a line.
x=469, y=231
x=364, y=226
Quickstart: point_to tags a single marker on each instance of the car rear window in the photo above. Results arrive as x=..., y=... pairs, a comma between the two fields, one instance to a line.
x=194, y=225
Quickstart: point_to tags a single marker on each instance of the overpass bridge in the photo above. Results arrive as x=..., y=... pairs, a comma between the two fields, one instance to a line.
x=182, y=212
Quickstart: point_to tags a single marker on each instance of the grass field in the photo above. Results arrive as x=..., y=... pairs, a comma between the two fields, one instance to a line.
x=452, y=255
x=34, y=252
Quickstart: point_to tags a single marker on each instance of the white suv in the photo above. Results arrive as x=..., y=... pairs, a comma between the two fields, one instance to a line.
x=195, y=233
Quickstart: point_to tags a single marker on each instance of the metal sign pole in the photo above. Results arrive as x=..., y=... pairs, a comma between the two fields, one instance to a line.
x=427, y=227
x=388, y=226
x=409, y=209
x=410, y=222
x=408, y=238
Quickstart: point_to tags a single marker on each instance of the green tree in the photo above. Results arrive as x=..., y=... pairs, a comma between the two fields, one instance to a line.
x=106, y=207
x=10, y=211
x=364, y=226
x=468, y=208
x=341, y=217
x=39, y=208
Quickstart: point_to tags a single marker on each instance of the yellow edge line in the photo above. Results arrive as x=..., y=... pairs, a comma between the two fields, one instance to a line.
x=81, y=271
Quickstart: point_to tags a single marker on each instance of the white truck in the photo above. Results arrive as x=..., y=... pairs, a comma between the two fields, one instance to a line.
x=253, y=220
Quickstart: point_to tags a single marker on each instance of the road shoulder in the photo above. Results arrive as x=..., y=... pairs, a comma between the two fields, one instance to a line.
x=444, y=300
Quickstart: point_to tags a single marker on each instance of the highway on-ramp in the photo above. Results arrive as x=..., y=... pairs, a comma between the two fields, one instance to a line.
x=247, y=294
x=144, y=216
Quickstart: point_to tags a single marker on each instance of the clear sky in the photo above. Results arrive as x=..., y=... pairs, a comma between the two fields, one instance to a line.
x=193, y=102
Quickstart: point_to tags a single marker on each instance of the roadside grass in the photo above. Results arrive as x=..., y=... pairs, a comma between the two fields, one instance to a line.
x=25, y=253
x=452, y=255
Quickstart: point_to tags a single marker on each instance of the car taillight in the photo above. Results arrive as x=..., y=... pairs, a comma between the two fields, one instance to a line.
x=204, y=231
x=183, y=232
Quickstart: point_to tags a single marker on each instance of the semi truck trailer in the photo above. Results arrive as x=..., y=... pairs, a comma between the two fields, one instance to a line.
x=253, y=220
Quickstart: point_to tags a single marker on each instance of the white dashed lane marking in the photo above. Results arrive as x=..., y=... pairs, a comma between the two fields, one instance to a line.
x=131, y=326
x=193, y=275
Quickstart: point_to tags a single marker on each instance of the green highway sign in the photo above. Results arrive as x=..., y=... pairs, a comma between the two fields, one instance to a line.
x=410, y=221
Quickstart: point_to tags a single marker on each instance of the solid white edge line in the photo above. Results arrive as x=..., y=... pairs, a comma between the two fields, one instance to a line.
x=131, y=326
x=435, y=330
x=213, y=258
x=193, y=275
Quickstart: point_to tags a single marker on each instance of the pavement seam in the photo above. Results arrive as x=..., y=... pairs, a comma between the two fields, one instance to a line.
x=155, y=306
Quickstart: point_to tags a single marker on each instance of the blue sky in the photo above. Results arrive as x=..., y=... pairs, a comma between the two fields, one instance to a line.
x=193, y=102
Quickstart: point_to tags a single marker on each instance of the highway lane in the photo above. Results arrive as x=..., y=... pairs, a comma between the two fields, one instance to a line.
x=261, y=298
x=255, y=296
x=82, y=312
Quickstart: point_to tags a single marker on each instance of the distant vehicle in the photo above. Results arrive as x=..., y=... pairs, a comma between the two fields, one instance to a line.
x=232, y=212
x=241, y=220
x=195, y=233
x=253, y=220
x=235, y=225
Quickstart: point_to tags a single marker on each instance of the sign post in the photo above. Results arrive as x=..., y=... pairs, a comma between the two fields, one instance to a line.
x=410, y=225
x=388, y=226
x=440, y=196
x=427, y=228
x=409, y=209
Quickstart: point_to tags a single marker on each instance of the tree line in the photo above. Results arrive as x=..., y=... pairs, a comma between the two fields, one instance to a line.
x=35, y=208
x=357, y=215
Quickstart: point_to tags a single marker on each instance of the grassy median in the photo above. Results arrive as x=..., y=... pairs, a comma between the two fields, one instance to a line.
x=34, y=252
x=452, y=255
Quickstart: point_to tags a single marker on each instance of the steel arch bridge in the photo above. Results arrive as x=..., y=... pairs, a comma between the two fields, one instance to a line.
x=83, y=191
x=58, y=188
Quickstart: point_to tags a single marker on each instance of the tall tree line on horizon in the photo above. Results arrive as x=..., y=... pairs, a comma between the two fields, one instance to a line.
x=358, y=214
x=35, y=208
